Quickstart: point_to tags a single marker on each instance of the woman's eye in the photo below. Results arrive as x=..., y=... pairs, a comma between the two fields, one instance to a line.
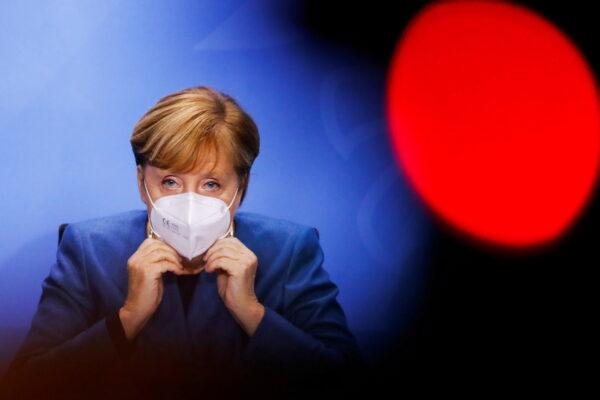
x=212, y=185
x=169, y=183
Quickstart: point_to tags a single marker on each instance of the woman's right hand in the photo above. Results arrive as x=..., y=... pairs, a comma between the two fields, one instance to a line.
x=145, y=289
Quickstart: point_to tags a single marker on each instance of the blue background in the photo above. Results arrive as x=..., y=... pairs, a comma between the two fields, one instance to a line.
x=75, y=77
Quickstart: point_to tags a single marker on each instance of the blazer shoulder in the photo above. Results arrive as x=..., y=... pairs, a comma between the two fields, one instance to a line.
x=263, y=226
x=116, y=230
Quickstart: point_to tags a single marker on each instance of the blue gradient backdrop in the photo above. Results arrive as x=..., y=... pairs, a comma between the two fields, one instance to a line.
x=76, y=76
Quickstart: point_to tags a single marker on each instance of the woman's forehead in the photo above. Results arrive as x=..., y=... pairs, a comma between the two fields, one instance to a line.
x=209, y=166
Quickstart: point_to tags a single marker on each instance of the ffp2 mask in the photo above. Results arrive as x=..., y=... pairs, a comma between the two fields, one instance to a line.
x=190, y=222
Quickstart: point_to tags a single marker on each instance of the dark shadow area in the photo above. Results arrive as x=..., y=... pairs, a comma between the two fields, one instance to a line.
x=11, y=338
x=371, y=29
x=487, y=315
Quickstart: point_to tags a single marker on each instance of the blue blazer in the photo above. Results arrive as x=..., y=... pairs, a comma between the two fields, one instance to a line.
x=303, y=333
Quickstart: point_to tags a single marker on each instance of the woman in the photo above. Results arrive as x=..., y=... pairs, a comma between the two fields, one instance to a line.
x=189, y=295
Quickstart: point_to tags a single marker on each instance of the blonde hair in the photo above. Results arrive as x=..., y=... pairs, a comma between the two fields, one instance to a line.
x=193, y=121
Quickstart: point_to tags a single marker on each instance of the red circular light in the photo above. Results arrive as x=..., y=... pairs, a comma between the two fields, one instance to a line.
x=493, y=115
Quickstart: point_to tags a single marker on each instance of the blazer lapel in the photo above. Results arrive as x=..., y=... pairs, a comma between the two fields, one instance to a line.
x=164, y=345
x=164, y=340
x=214, y=335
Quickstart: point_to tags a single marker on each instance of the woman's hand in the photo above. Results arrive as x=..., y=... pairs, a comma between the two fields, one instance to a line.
x=145, y=288
x=236, y=265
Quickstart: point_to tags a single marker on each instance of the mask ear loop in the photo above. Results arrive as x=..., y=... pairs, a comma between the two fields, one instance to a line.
x=234, y=195
x=230, y=230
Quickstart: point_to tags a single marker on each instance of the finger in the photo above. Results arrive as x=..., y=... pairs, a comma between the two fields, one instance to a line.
x=160, y=253
x=192, y=267
x=186, y=271
x=159, y=244
x=218, y=246
x=227, y=243
x=226, y=252
x=232, y=267
x=189, y=271
x=147, y=242
x=169, y=248
x=193, y=271
x=148, y=245
x=165, y=250
x=233, y=241
x=163, y=266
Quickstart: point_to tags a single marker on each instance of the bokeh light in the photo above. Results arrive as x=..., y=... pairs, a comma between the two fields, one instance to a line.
x=493, y=114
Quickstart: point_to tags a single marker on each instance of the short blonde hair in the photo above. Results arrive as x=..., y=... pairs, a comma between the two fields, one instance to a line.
x=193, y=121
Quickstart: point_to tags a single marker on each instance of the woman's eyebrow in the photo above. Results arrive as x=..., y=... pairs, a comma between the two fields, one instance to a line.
x=214, y=173
x=164, y=173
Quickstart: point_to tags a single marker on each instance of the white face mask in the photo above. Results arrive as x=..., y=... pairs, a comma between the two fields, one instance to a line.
x=190, y=222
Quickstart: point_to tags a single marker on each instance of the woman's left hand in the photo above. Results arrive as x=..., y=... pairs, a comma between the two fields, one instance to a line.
x=236, y=271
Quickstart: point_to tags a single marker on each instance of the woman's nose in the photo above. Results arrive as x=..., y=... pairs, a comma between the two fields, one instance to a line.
x=190, y=187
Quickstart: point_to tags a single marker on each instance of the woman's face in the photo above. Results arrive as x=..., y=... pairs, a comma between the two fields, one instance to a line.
x=220, y=181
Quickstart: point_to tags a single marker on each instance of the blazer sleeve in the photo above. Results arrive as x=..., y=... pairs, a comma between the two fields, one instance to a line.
x=66, y=341
x=311, y=334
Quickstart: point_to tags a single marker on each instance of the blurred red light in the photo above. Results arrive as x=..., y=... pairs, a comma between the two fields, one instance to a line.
x=493, y=115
